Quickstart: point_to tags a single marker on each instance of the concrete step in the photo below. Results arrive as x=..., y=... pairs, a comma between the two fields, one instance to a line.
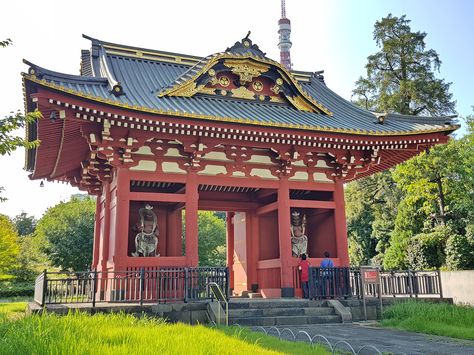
x=285, y=320
x=253, y=295
x=272, y=303
x=277, y=312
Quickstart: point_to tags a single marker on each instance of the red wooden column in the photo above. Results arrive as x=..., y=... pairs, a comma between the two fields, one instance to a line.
x=229, y=223
x=341, y=225
x=97, y=236
x=253, y=250
x=120, y=233
x=284, y=237
x=192, y=199
x=106, y=232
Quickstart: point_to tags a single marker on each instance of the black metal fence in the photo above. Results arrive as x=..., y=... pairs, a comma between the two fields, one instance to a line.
x=138, y=286
x=346, y=282
x=403, y=283
x=329, y=282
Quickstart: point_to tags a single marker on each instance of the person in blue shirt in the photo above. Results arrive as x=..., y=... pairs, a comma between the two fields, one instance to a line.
x=326, y=279
x=326, y=261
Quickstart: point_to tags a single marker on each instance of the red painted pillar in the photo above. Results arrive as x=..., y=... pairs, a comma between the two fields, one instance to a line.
x=97, y=236
x=229, y=222
x=192, y=199
x=106, y=233
x=253, y=246
x=341, y=225
x=284, y=237
x=121, y=218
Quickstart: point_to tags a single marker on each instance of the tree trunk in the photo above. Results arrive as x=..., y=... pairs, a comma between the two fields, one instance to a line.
x=441, y=201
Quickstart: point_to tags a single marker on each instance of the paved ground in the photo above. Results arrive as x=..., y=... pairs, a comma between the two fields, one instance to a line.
x=385, y=340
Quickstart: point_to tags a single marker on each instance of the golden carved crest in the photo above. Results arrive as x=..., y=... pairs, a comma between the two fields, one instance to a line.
x=246, y=69
x=243, y=93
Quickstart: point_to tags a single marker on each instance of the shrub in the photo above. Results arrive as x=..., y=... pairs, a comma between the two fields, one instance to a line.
x=426, y=250
x=460, y=250
x=16, y=289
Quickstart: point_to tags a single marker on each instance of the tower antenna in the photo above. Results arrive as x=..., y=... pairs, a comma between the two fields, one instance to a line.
x=284, y=31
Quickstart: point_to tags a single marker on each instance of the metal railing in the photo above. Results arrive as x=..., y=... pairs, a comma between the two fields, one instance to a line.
x=346, y=282
x=132, y=286
x=403, y=283
x=329, y=282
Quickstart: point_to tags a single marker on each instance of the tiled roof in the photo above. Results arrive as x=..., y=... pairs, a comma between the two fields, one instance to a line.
x=142, y=74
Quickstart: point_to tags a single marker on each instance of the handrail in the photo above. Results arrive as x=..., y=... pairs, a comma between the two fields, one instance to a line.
x=219, y=295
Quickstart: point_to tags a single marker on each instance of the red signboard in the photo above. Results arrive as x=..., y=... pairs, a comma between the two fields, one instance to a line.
x=371, y=276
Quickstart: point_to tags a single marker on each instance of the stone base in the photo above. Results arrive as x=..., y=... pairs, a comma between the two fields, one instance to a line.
x=287, y=292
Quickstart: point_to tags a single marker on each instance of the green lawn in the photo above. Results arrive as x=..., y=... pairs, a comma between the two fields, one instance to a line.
x=431, y=318
x=79, y=333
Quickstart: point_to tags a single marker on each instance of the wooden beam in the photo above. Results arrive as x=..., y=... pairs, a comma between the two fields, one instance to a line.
x=312, y=204
x=161, y=197
x=267, y=208
x=264, y=193
x=230, y=206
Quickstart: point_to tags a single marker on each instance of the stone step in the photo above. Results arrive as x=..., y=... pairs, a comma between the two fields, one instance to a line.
x=276, y=312
x=285, y=320
x=272, y=303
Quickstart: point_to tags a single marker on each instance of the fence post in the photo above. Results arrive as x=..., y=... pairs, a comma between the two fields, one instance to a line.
x=410, y=283
x=227, y=283
x=142, y=282
x=186, y=285
x=94, y=287
x=439, y=283
x=45, y=287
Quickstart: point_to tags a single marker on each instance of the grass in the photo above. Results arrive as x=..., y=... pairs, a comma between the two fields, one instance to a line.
x=431, y=318
x=79, y=333
x=12, y=311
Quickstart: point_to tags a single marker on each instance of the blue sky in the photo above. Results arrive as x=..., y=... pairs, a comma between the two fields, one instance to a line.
x=330, y=35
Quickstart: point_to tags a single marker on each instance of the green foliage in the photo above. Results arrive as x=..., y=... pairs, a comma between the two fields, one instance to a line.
x=460, y=250
x=5, y=43
x=431, y=318
x=9, y=247
x=400, y=76
x=79, y=333
x=14, y=288
x=31, y=260
x=67, y=232
x=426, y=250
x=212, y=239
x=371, y=206
x=25, y=224
x=407, y=224
x=14, y=121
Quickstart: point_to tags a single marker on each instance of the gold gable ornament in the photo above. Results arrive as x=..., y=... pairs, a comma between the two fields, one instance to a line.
x=246, y=69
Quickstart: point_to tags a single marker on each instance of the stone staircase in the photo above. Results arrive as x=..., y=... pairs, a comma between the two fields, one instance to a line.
x=268, y=312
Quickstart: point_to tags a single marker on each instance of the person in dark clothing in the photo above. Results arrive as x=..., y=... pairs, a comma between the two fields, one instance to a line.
x=303, y=267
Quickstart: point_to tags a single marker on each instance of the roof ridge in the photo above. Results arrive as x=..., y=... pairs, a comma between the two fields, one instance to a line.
x=39, y=72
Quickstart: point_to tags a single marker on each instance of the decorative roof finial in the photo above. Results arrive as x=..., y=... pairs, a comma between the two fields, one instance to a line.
x=284, y=30
x=248, y=34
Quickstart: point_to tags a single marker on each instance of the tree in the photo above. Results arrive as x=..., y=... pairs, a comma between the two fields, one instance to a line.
x=67, y=231
x=212, y=239
x=8, y=141
x=9, y=247
x=24, y=224
x=400, y=76
x=371, y=208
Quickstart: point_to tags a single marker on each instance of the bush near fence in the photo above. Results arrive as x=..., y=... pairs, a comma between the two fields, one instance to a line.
x=12, y=288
